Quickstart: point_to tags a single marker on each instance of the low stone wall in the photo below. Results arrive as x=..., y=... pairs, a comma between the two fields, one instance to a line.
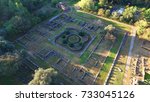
x=116, y=57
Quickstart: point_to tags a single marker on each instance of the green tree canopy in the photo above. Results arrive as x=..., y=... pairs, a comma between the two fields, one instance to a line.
x=101, y=12
x=129, y=13
x=8, y=64
x=143, y=29
x=86, y=4
x=110, y=29
x=146, y=14
x=43, y=77
x=103, y=2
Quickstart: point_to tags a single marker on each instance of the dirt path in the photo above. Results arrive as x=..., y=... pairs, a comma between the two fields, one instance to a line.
x=110, y=20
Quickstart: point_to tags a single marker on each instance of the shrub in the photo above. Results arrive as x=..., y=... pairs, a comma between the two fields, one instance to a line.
x=129, y=13
x=141, y=25
x=63, y=36
x=65, y=42
x=67, y=32
x=71, y=45
x=43, y=76
x=107, y=13
x=87, y=5
x=9, y=64
x=54, y=2
x=80, y=44
x=101, y=12
x=121, y=18
x=115, y=15
x=82, y=34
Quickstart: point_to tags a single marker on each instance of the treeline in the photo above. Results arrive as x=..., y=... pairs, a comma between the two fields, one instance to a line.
x=118, y=10
x=142, y=3
x=18, y=16
x=8, y=58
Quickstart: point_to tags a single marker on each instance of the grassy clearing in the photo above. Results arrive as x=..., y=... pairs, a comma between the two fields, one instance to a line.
x=117, y=76
x=84, y=57
x=109, y=60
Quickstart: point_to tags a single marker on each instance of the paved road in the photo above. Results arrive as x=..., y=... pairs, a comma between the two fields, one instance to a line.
x=133, y=35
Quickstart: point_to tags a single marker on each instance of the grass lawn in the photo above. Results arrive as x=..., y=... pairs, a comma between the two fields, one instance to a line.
x=147, y=76
x=84, y=56
x=109, y=60
x=87, y=53
x=117, y=77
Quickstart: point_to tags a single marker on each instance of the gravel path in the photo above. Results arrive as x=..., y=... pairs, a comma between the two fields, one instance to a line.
x=133, y=35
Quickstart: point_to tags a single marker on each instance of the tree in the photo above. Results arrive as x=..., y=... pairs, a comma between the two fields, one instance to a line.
x=5, y=46
x=101, y=12
x=110, y=29
x=9, y=64
x=17, y=24
x=86, y=5
x=107, y=13
x=43, y=77
x=102, y=3
x=141, y=26
x=121, y=18
x=7, y=9
x=54, y=2
x=9, y=58
x=115, y=15
x=129, y=13
x=33, y=5
x=144, y=3
x=143, y=29
x=146, y=14
x=145, y=82
x=147, y=33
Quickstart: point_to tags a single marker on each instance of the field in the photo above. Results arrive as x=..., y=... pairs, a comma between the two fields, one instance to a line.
x=75, y=45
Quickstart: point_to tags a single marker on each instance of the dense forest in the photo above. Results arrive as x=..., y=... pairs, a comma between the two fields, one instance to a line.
x=16, y=18
x=144, y=3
